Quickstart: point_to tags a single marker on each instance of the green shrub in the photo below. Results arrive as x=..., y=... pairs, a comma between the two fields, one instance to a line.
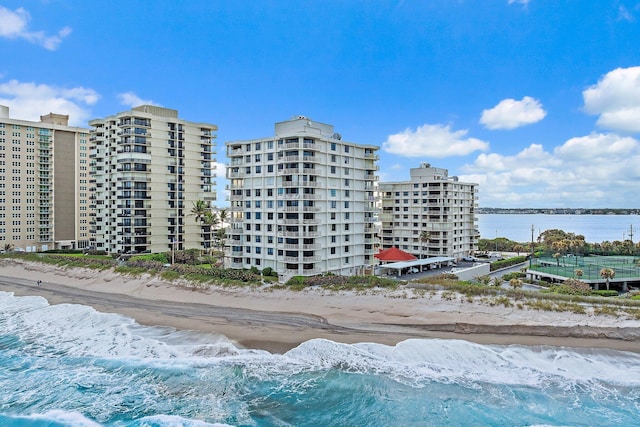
x=605, y=293
x=513, y=275
x=162, y=258
x=336, y=282
x=497, y=265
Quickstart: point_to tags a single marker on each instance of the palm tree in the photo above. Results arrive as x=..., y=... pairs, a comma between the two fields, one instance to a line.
x=579, y=273
x=221, y=234
x=211, y=221
x=484, y=280
x=607, y=273
x=425, y=237
x=557, y=256
x=518, y=249
x=515, y=283
x=8, y=247
x=199, y=209
x=222, y=214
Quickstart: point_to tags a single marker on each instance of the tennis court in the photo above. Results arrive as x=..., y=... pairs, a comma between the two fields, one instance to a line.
x=566, y=266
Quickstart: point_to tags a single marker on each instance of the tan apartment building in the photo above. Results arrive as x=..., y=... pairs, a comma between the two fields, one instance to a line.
x=432, y=214
x=44, y=183
x=302, y=202
x=148, y=168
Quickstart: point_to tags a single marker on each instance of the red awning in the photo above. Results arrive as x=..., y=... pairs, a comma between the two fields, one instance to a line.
x=394, y=254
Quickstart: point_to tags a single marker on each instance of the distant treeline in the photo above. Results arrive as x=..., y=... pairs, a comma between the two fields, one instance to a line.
x=559, y=241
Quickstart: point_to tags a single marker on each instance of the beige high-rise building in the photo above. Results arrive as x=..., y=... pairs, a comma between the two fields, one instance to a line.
x=432, y=214
x=302, y=201
x=44, y=183
x=149, y=167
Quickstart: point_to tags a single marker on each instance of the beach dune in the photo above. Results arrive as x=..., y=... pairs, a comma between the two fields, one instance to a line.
x=278, y=320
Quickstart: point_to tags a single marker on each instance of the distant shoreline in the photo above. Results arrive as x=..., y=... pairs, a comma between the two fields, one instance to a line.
x=555, y=211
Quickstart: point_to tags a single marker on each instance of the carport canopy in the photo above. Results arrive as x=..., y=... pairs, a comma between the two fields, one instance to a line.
x=399, y=266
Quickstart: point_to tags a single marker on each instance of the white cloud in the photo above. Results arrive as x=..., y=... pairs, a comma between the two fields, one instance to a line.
x=524, y=2
x=624, y=14
x=14, y=25
x=28, y=101
x=130, y=99
x=433, y=141
x=588, y=171
x=616, y=99
x=510, y=114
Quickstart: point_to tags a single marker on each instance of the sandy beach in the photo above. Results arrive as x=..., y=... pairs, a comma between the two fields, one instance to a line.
x=278, y=320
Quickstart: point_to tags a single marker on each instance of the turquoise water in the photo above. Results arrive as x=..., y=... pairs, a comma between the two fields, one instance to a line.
x=69, y=365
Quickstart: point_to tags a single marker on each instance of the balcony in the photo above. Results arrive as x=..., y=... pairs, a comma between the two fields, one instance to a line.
x=300, y=184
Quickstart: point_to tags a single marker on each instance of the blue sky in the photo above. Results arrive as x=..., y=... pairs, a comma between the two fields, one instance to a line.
x=538, y=101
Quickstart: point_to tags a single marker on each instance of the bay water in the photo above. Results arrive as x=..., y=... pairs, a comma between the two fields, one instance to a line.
x=595, y=228
x=69, y=365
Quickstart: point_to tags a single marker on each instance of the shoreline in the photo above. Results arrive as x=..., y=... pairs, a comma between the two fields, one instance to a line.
x=278, y=320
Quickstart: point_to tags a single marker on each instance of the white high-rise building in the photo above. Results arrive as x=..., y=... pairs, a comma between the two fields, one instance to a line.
x=431, y=202
x=44, y=189
x=148, y=168
x=302, y=201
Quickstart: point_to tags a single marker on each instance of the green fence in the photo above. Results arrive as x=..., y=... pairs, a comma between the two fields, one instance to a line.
x=566, y=266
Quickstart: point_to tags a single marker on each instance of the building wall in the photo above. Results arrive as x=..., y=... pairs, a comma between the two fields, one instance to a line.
x=302, y=202
x=65, y=186
x=432, y=202
x=33, y=204
x=150, y=167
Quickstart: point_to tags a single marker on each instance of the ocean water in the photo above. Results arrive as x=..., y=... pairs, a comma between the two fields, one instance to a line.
x=69, y=365
x=595, y=228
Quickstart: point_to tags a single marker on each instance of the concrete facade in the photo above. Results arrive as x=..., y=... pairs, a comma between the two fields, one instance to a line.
x=302, y=201
x=148, y=168
x=44, y=183
x=432, y=202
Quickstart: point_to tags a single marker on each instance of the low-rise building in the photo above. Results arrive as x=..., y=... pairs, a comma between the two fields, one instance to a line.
x=432, y=214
